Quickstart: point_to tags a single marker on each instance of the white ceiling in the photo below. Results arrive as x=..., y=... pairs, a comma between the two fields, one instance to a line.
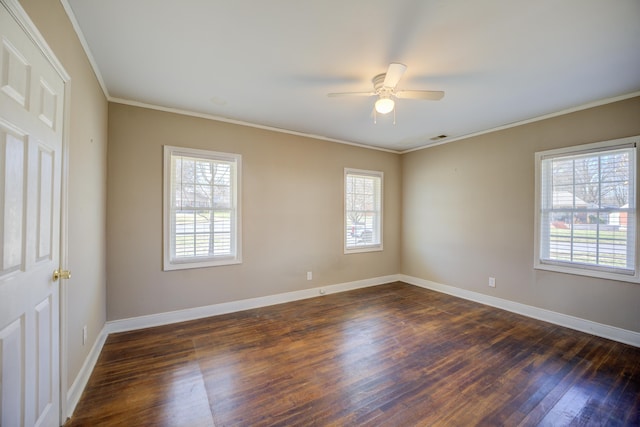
x=272, y=62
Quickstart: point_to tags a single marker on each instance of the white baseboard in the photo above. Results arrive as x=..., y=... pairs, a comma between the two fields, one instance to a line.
x=75, y=391
x=159, y=319
x=605, y=331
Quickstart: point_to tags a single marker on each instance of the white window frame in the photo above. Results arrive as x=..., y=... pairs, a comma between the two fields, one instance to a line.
x=574, y=267
x=170, y=262
x=375, y=246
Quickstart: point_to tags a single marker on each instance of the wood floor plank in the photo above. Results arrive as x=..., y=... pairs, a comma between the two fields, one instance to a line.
x=390, y=355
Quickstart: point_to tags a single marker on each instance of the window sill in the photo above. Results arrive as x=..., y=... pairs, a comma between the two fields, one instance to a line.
x=598, y=274
x=184, y=265
x=361, y=249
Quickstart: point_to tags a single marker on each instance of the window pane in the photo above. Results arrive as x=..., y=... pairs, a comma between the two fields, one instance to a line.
x=203, y=172
x=202, y=196
x=187, y=171
x=222, y=174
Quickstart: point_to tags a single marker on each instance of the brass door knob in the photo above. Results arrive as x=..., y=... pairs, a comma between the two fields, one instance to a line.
x=61, y=274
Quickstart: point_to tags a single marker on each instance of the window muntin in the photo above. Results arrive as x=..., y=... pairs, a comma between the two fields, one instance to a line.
x=201, y=208
x=363, y=210
x=586, y=210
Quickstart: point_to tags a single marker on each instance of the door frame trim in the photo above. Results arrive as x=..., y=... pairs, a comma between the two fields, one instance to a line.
x=22, y=18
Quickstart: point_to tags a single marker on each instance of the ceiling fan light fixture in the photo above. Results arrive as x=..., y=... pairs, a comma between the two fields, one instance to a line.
x=384, y=105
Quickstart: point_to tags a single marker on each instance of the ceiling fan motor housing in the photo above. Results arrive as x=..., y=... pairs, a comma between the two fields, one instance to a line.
x=378, y=83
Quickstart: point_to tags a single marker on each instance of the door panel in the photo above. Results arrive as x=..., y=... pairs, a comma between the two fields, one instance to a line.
x=15, y=79
x=45, y=203
x=11, y=369
x=13, y=152
x=44, y=348
x=31, y=106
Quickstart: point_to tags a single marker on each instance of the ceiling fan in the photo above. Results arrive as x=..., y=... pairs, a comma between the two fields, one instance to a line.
x=384, y=87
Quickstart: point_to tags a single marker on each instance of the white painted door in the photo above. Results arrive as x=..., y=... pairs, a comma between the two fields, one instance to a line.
x=31, y=107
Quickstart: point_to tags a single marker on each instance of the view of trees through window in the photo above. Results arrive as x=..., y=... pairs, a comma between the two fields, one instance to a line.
x=597, y=180
x=202, y=207
x=587, y=208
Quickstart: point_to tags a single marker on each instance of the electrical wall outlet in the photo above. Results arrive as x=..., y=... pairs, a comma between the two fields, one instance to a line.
x=84, y=334
x=309, y=275
x=492, y=282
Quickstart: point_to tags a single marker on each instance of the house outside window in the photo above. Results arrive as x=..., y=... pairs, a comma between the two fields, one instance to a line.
x=201, y=208
x=586, y=210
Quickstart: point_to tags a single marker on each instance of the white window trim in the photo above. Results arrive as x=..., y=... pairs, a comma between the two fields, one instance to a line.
x=579, y=269
x=168, y=264
x=377, y=247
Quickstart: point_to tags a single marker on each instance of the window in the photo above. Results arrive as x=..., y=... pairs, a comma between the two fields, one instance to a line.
x=201, y=208
x=586, y=210
x=362, y=210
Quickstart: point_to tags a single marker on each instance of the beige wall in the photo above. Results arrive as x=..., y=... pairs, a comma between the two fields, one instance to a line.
x=468, y=213
x=292, y=203
x=86, y=303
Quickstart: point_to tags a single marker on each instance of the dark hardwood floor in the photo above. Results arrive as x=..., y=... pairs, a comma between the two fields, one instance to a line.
x=391, y=355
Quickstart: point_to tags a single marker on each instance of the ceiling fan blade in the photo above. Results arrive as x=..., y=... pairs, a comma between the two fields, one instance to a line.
x=394, y=73
x=335, y=95
x=431, y=95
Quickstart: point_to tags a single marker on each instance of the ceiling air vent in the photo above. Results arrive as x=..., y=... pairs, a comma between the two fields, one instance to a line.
x=438, y=138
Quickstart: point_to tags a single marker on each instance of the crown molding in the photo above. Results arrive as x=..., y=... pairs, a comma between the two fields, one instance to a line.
x=532, y=120
x=243, y=123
